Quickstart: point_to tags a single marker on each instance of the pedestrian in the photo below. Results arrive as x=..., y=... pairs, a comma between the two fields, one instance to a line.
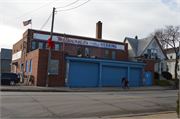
x=126, y=83
x=123, y=81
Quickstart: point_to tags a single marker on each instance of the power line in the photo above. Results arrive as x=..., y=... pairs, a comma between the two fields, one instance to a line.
x=67, y=5
x=46, y=21
x=74, y=7
x=29, y=12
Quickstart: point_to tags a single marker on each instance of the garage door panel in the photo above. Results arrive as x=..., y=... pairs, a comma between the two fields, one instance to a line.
x=112, y=76
x=135, y=77
x=83, y=74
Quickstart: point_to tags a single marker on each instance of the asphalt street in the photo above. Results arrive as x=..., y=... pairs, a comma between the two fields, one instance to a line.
x=86, y=104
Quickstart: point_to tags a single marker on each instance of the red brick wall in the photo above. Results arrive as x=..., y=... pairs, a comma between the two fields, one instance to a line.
x=34, y=57
x=54, y=80
x=150, y=67
x=121, y=55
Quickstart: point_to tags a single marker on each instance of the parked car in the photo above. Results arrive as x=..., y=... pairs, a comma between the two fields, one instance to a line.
x=9, y=78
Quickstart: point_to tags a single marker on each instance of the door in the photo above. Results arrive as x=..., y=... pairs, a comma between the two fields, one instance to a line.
x=135, y=77
x=112, y=76
x=148, y=78
x=83, y=74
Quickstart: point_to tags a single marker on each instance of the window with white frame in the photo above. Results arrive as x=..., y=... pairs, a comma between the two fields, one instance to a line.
x=113, y=55
x=40, y=45
x=106, y=54
x=57, y=47
x=33, y=45
x=87, y=51
x=79, y=50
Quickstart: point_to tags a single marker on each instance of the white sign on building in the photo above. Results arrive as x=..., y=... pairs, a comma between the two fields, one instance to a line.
x=16, y=56
x=78, y=41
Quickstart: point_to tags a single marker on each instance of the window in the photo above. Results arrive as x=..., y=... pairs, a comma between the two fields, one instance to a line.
x=113, y=55
x=30, y=68
x=54, y=66
x=171, y=56
x=106, y=54
x=46, y=46
x=152, y=53
x=167, y=67
x=40, y=45
x=57, y=47
x=33, y=47
x=26, y=66
x=87, y=52
x=178, y=68
x=79, y=50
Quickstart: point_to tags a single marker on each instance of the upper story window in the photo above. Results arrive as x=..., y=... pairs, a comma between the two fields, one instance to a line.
x=170, y=56
x=87, y=52
x=33, y=45
x=113, y=55
x=106, y=54
x=57, y=47
x=152, y=53
x=79, y=50
x=40, y=45
x=46, y=46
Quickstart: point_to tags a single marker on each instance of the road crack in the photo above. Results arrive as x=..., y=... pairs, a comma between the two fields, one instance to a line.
x=34, y=100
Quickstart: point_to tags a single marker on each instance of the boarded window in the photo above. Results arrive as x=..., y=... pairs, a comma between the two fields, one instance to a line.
x=54, y=66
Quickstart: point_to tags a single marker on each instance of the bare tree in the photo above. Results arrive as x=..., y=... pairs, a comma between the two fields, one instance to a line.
x=169, y=36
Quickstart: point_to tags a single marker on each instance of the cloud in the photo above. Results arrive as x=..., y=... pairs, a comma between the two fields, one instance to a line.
x=120, y=18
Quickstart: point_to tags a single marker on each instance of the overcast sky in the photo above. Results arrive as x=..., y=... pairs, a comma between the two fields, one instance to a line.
x=120, y=18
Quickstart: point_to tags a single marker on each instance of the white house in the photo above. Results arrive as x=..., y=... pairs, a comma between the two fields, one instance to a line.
x=147, y=48
x=171, y=62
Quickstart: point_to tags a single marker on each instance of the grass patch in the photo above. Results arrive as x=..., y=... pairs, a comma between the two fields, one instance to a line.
x=162, y=82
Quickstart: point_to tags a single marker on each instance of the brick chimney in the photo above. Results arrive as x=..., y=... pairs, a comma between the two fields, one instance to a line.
x=99, y=30
x=136, y=37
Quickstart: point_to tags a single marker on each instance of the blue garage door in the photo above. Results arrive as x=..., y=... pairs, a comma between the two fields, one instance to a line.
x=112, y=76
x=135, y=77
x=82, y=74
x=148, y=78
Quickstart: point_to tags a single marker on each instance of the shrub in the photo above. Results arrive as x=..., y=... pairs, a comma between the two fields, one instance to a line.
x=167, y=75
x=156, y=75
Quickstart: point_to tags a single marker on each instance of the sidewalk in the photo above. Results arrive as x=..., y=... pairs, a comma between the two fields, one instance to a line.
x=22, y=87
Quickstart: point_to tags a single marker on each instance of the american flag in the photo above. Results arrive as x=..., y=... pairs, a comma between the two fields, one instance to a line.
x=27, y=22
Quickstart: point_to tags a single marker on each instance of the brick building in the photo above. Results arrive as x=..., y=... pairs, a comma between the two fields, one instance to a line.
x=73, y=58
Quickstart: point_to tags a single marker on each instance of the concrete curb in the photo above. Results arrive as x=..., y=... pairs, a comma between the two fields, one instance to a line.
x=82, y=90
x=140, y=114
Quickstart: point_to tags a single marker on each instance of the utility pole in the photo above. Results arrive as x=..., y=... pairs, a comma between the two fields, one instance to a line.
x=49, y=55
